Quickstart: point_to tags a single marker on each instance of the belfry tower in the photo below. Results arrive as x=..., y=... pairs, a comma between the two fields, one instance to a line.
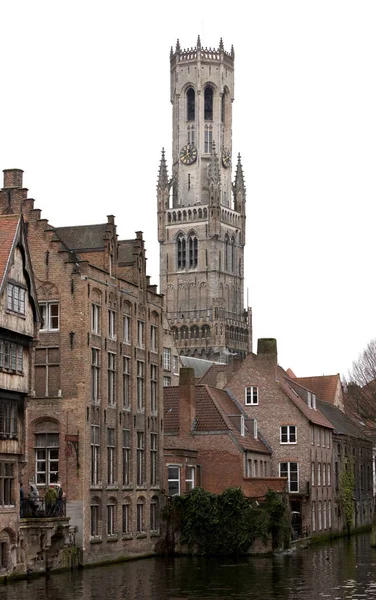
x=201, y=212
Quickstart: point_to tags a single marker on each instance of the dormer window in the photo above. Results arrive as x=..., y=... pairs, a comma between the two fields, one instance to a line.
x=242, y=426
x=314, y=401
x=309, y=399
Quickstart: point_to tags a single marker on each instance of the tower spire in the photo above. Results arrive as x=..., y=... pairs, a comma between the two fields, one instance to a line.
x=163, y=181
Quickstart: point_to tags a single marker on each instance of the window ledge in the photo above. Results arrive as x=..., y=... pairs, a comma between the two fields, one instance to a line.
x=96, y=540
x=112, y=487
x=127, y=536
x=128, y=486
x=96, y=486
x=142, y=487
x=112, y=538
x=140, y=535
x=155, y=534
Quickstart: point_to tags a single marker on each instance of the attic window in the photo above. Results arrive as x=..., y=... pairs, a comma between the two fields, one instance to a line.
x=242, y=426
x=314, y=401
x=16, y=298
x=309, y=399
x=251, y=395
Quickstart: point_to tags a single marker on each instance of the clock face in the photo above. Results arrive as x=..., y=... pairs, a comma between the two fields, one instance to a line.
x=188, y=154
x=226, y=157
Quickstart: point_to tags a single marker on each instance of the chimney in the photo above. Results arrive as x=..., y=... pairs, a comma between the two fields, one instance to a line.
x=12, y=178
x=187, y=400
x=267, y=348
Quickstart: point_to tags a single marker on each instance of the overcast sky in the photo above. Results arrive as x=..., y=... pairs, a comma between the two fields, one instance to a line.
x=85, y=111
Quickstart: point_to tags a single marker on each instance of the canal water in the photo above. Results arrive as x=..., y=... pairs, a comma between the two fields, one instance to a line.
x=342, y=569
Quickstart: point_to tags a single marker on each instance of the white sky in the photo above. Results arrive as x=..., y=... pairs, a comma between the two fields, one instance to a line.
x=85, y=110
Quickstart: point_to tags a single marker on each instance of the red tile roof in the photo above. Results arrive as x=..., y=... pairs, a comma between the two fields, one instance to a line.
x=324, y=386
x=213, y=409
x=313, y=415
x=8, y=230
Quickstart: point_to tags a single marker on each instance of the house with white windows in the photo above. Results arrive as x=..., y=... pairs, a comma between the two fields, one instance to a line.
x=299, y=435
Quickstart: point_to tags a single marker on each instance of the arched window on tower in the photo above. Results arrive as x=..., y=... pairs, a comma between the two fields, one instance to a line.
x=233, y=256
x=223, y=107
x=190, y=104
x=208, y=110
x=226, y=251
x=181, y=252
x=193, y=247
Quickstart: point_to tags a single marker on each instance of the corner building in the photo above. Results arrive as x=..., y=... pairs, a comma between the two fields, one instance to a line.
x=94, y=421
x=201, y=212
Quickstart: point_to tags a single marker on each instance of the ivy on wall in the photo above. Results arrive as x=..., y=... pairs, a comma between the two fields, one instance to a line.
x=226, y=523
x=346, y=493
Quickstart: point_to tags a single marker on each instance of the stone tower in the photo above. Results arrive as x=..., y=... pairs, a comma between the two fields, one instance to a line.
x=201, y=212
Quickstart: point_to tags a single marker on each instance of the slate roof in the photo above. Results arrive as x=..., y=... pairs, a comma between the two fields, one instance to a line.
x=210, y=377
x=213, y=408
x=126, y=251
x=83, y=237
x=342, y=424
x=199, y=365
x=324, y=386
x=8, y=229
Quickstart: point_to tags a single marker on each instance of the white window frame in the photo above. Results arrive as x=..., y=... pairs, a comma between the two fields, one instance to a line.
x=140, y=334
x=51, y=322
x=167, y=359
x=43, y=456
x=16, y=298
x=251, y=395
x=111, y=519
x=126, y=517
x=289, y=472
x=189, y=478
x=96, y=318
x=111, y=324
x=166, y=381
x=153, y=338
x=291, y=431
x=126, y=329
x=173, y=478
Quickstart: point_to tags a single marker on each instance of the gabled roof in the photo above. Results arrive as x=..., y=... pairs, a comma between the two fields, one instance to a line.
x=200, y=366
x=213, y=409
x=82, y=238
x=341, y=423
x=9, y=225
x=324, y=386
x=315, y=416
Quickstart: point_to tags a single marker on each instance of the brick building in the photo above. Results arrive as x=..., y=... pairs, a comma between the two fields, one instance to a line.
x=201, y=212
x=19, y=323
x=298, y=433
x=95, y=421
x=210, y=441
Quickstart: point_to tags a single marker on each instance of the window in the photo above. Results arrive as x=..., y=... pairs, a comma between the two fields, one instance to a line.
x=318, y=433
x=288, y=434
x=47, y=458
x=193, y=251
x=312, y=473
x=328, y=474
x=309, y=399
x=324, y=474
x=166, y=381
x=8, y=419
x=167, y=359
x=208, y=104
x=11, y=356
x=190, y=138
x=126, y=456
x=154, y=514
x=173, y=480
x=181, y=247
x=126, y=516
x=140, y=458
x=16, y=298
x=126, y=381
x=112, y=325
x=153, y=459
x=111, y=378
x=313, y=516
x=111, y=465
x=318, y=473
x=189, y=478
x=95, y=450
x=175, y=365
x=7, y=484
x=329, y=514
x=319, y=516
x=208, y=141
x=153, y=338
x=190, y=104
x=153, y=388
x=94, y=518
x=324, y=513
x=50, y=316
x=47, y=371
x=314, y=401
x=95, y=318
x=126, y=329
x=140, y=515
x=251, y=395
x=290, y=470
x=312, y=435
x=140, y=385
x=111, y=517
x=327, y=438
x=140, y=334
x=95, y=370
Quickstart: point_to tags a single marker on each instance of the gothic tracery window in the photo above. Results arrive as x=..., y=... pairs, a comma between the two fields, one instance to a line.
x=181, y=251
x=208, y=110
x=193, y=247
x=190, y=104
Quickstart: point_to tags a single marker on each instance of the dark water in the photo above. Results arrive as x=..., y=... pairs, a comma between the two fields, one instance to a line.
x=343, y=569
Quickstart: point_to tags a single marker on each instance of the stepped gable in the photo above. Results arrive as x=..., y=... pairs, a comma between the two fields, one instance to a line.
x=8, y=230
x=81, y=238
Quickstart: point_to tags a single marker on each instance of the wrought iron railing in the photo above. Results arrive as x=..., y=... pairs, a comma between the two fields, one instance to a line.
x=43, y=509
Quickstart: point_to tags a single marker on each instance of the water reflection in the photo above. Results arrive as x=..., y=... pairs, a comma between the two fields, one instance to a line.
x=340, y=570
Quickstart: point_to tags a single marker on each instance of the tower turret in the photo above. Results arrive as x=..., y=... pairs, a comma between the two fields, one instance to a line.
x=201, y=232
